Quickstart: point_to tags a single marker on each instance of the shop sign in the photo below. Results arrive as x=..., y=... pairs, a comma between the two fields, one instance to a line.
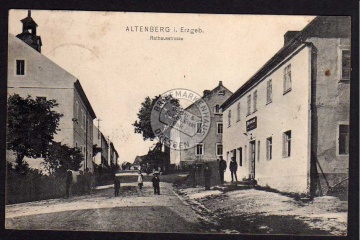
x=251, y=124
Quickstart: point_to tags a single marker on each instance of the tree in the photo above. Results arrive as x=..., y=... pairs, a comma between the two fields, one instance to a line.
x=31, y=126
x=60, y=158
x=143, y=126
x=125, y=166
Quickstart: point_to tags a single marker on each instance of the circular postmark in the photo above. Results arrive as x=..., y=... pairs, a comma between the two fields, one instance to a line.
x=180, y=127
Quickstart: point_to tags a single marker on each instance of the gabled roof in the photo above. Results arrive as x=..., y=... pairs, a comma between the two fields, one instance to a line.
x=84, y=98
x=210, y=93
x=320, y=27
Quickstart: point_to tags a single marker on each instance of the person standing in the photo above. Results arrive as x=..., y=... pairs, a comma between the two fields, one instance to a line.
x=233, y=169
x=222, y=168
x=207, y=176
x=68, y=182
x=117, y=186
x=88, y=181
x=156, y=183
x=140, y=180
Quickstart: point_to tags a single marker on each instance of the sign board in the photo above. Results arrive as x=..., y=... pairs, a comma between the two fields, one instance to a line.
x=251, y=124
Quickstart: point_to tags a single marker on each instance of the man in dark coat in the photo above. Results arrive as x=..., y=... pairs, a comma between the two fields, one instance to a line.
x=68, y=182
x=222, y=168
x=207, y=176
x=233, y=169
x=117, y=186
x=156, y=183
x=88, y=181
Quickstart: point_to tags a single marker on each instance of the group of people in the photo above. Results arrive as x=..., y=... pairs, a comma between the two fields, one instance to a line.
x=233, y=169
x=222, y=168
x=140, y=180
x=84, y=180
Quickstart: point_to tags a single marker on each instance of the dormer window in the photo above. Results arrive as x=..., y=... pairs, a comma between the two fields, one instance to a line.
x=221, y=92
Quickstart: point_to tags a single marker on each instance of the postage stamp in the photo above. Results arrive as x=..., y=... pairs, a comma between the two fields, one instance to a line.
x=180, y=119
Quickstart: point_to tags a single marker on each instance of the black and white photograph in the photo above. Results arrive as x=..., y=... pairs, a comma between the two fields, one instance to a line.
x=191, y=123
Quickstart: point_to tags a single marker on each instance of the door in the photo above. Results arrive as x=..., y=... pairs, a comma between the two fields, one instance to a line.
x=252, y=159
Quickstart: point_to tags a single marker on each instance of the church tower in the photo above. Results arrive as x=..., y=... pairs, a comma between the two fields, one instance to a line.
x=28, y=34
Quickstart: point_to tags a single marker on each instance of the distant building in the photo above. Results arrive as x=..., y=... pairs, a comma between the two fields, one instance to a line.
x=113, y=156
x=288, y=125
x=101, y=147
x=211, y=147
x=31, y=73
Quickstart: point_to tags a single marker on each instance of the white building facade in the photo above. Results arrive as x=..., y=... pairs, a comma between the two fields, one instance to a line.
x=283, y=125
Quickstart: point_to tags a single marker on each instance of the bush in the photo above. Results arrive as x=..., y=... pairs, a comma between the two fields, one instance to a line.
x=34, y=186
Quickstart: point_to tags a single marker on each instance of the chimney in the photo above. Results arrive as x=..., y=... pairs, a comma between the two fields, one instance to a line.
x=206, y=92
x=289, y=35
x=220, y=83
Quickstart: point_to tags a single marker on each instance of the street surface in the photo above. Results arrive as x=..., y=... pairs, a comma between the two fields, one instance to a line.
x=182, y=210
x=133, y=210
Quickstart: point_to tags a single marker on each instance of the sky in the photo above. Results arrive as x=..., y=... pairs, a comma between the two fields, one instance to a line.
x=118, y=65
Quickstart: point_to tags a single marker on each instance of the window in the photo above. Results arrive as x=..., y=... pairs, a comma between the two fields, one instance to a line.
x=199, y=149
x=221, y=92
x=219, y=149
x=20, y=67
x=229, y=118
x=219, y=128
x=269, y=91
x=269, y=148
x=81, y=117
x=255, y=100
x=287, y=144
x=199, y=127
x=258, y=151
x=245, y=153
x=240, y=156
x=84, y=121
x=76, y=110
x=238, y=111
x=217, y=109
x=287, y=78
x=249, y=104
x=91, y=131
x=343, y=139
x=345, y=65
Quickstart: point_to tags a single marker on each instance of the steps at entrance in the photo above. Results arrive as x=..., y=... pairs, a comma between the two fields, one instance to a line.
x=240, y=185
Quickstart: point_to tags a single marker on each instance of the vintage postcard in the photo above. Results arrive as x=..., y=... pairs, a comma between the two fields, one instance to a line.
x=178, y=123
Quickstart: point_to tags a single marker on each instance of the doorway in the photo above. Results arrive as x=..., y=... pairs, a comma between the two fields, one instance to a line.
x=252, y=159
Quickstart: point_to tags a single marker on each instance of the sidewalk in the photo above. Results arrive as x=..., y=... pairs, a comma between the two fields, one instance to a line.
x=256, y=211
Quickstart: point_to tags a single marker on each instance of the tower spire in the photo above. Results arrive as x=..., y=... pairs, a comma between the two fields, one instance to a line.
x=28, y=34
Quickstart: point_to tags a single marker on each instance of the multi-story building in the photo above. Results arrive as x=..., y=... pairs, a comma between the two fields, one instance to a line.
x=211, y=148
x=31, y=73
x=288, y=125
x=101, y=147
x=113, y=155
